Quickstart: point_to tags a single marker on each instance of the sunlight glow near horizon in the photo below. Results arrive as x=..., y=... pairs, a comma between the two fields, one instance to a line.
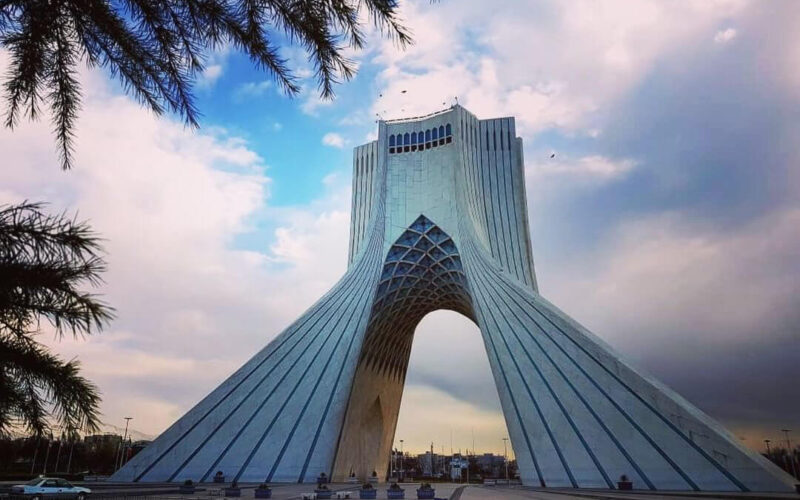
x=449, y=390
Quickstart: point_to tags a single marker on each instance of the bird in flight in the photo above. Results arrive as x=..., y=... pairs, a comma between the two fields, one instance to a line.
x=552, y=155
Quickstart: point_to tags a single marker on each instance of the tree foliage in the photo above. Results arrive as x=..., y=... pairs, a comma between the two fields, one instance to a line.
x=156, y=48
x=45, y=260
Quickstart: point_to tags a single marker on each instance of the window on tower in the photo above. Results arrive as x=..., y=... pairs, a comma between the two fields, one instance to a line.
x=426, y=139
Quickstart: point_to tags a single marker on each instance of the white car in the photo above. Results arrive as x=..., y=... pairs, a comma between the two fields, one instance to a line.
x=49, y=488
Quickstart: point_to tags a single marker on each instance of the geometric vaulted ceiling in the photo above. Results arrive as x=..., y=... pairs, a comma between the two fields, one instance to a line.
x=422, y=273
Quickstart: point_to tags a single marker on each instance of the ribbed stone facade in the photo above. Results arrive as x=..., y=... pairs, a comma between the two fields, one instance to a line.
x=439, y=221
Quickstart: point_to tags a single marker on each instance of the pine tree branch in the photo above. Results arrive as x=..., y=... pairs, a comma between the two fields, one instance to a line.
x=39, y=385
x=157, y=48
x=44, y=260
x=65, y=91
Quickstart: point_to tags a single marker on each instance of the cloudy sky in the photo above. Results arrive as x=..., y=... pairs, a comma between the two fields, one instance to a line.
x=668, y=222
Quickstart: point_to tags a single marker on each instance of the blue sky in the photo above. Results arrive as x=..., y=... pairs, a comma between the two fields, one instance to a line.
x=288, y=131
x=666, y=223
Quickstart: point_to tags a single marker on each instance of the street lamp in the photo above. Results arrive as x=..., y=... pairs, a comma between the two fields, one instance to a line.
x=767, y=441
x=122, y=445
x=402, y=471
x=505, y=456
x=393, y=460
x=789, y=449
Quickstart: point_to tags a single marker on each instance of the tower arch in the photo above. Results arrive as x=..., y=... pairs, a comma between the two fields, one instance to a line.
x=422, y=273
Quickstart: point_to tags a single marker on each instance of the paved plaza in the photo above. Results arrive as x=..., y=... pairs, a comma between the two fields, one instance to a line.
x=449, y=491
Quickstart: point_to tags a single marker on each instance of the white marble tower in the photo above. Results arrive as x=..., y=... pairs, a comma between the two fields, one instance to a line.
x=440, y=221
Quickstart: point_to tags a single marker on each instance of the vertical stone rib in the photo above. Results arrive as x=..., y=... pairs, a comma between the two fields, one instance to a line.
x=350, y=252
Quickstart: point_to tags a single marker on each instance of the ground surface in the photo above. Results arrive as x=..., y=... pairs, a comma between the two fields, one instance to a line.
x=449, y=491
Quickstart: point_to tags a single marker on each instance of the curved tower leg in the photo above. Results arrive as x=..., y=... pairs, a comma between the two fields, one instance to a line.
x=579, y=416
x=278, y=417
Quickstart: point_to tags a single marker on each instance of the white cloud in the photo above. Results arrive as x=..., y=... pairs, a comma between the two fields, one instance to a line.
x=333, y=139
x=252, y=89
x=312, y=102
x=214, y=67
x=592, y=166
x=355, y=118
x=725, y=36
x=553, y=66
x=209, y=76
x=171, y=205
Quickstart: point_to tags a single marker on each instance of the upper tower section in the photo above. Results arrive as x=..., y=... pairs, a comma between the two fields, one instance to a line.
x=464, y=173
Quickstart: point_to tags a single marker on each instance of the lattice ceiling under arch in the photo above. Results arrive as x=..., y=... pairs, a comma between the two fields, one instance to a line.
x=422, y=273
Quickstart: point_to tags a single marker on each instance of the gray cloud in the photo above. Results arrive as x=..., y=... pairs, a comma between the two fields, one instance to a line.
x=688, y=264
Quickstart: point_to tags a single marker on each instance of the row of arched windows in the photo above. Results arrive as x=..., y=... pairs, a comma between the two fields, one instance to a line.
x=418, y=141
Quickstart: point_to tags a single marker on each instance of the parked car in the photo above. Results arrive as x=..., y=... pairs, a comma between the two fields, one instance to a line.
x=49, y=488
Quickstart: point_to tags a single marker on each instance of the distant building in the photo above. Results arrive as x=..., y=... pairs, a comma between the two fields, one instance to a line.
x=458, y=464
x=491, y=465
x=428, y=463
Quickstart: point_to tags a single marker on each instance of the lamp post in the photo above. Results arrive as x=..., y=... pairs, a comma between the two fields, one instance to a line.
x=505, y=455
x=769, y=452
x=789, y=450
x=402, y=471
x=122, y=445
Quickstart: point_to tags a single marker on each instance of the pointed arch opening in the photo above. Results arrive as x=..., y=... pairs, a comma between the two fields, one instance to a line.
x=449, y=389
x=422, y=273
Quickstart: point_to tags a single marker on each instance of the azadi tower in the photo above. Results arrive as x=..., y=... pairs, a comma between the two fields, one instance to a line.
x=439, y=221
